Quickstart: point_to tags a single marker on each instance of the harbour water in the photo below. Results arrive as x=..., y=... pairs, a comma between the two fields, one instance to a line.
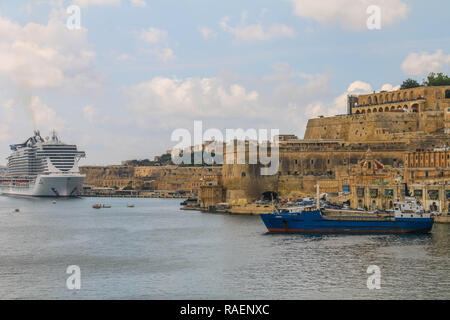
x=156, y=251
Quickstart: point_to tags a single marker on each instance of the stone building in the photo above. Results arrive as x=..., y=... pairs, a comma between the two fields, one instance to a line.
x=334, y=150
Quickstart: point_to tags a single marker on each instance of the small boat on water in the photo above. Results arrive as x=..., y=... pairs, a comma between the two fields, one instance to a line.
x=97, y=206
x=408, y=216
x=106, y=206
x=130, y=205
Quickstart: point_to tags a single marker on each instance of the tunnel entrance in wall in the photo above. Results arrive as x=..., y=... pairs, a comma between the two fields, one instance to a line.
x=270, y=195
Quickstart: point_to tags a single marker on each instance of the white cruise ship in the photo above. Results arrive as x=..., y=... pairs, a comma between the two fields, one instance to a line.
x=43, y=168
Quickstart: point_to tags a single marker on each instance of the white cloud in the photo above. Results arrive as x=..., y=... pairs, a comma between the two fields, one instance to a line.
x=87, y=3
x=424, y=62
x=41, y=56
x=4, y=136
x=138, y=3
x=163, y=54
x=153, y=35
x=339, y=104
x=389, y=87
x=123, y=57
x=256, y=32
x=169, y=103
x=90, y=113
x=45, y=117
x=207, y=33
x=189, y=98
x=350, y=14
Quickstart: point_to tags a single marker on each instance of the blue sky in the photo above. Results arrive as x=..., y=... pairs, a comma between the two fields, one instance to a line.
x=139, y=69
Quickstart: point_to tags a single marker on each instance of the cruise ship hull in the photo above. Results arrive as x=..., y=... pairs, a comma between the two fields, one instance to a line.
x=52, y=185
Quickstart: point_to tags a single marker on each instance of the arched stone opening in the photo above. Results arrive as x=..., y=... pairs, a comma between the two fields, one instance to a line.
x=415, y=107
x=386, y=109
x=369, y=111
x=380, y=110
x=357, y=112
x=364, y=111
x=374, y=109
x=270, y=195
x=392, y=108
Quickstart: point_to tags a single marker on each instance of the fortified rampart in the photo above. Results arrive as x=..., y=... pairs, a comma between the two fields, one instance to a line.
x=375, y=126
x=170, y=178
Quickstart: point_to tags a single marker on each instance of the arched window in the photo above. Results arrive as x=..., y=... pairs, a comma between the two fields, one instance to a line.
x=447, y=94
x=392, y=108
x=357, y=112
x=375, y=100
x=374, y=109
x=364, y=111
x=380, y=110
x=369, y=111
x=386, y=109
x=370, y=100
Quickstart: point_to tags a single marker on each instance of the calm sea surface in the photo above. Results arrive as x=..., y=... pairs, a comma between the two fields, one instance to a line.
x=156, y=251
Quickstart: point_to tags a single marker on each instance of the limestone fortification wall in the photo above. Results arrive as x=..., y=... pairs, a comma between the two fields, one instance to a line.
x=171, y=178
x=108, y=176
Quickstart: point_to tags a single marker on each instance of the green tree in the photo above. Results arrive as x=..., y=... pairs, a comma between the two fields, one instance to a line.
x=438, y=79
x=409, y=83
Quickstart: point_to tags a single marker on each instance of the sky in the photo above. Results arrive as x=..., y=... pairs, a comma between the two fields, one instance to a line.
x=137, y=70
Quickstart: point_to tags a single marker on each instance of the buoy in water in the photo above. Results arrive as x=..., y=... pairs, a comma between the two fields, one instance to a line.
x=17, y=210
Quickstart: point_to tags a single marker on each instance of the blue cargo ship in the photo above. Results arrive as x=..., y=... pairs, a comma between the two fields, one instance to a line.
x=408, y=217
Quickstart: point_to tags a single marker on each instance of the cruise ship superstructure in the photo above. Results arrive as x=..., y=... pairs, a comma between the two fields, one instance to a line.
x=46, y=168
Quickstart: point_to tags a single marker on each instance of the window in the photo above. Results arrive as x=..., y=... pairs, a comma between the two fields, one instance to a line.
x=243, y=174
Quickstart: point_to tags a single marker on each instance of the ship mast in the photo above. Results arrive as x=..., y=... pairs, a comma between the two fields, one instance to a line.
x=318, y=196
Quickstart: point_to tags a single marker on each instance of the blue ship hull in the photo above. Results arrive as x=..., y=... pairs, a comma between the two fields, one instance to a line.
x=314, y=222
